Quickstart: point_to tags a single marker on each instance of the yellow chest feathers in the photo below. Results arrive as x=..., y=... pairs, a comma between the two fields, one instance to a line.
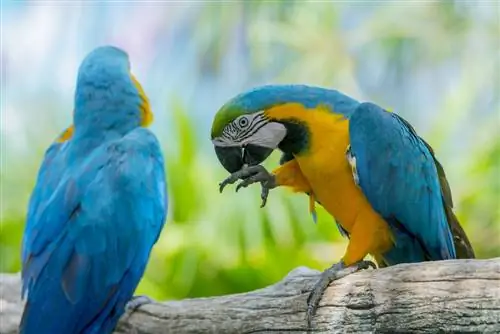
x=324, y=164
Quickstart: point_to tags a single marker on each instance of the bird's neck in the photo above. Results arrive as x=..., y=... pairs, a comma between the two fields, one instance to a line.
x=103, y=113
x=297, y=137
x=306, y=127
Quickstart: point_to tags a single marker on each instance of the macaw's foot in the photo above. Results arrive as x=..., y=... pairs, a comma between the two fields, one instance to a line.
x=335, y=272
x=136, y=302
x=250, y=175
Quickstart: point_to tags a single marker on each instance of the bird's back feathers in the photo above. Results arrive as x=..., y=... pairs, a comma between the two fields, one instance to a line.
x=87, y=244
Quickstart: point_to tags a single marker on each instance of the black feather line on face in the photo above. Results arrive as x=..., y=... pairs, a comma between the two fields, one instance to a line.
x=297, y=139
x=236, y=133
x=255, y=128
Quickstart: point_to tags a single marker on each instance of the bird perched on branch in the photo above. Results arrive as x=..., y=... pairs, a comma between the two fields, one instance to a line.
x=98, y=206
x=366, y=166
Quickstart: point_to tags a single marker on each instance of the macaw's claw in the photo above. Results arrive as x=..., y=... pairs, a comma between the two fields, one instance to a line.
x=335, y=272
x=136, y=302
x=263, y=195
x=251, y=175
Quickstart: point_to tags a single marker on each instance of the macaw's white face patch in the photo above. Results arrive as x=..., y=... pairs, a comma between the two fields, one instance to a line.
x=253, y=129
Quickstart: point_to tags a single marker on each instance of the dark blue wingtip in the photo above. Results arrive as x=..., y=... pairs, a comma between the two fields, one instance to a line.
x=314, y=217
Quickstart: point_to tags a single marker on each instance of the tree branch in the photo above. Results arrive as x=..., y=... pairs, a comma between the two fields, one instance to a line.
x=444, y=296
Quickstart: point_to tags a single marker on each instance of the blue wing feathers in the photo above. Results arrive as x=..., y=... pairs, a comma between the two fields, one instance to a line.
x=87, y=244
x=47, y=172
x=398, y=175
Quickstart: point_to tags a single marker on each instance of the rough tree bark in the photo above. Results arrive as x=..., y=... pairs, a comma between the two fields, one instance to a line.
x=448, y=296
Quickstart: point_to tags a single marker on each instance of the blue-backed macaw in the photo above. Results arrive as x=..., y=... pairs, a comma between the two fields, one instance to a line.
x=367, y=167
x=98, y=206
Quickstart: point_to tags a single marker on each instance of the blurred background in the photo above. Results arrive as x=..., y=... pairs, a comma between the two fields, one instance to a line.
x=435, y=63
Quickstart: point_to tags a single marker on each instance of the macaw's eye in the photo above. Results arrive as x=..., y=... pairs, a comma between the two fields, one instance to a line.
x=243, y=122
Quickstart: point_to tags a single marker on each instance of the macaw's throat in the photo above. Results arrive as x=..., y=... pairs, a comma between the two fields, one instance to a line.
x=297, y=137
x=233, y=158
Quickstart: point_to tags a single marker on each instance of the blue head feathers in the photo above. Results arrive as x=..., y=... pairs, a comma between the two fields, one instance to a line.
x=106, y=96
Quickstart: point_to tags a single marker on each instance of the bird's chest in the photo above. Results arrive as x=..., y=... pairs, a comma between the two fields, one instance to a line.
x=331, y=179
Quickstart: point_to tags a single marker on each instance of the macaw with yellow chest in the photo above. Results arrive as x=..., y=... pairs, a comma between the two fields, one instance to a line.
x=366, y=166
x=98, y=206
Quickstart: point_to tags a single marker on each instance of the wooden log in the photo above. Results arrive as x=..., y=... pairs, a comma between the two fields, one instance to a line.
x=446, y=296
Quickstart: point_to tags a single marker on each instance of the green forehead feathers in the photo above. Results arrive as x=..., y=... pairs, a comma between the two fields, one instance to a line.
x=223, y=117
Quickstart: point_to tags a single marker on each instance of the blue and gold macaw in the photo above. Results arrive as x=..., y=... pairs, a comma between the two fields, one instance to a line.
x=367, y=167
x=98, y=206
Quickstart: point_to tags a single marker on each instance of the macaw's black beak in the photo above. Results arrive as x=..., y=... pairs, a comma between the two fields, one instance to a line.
x=233, y=158
x=254, y=155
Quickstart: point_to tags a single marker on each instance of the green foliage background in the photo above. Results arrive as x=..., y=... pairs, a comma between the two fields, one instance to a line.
x=215, y=243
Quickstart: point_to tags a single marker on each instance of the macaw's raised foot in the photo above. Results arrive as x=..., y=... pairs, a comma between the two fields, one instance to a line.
x=250, y=175
x=335, y=272
x=136, y=302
